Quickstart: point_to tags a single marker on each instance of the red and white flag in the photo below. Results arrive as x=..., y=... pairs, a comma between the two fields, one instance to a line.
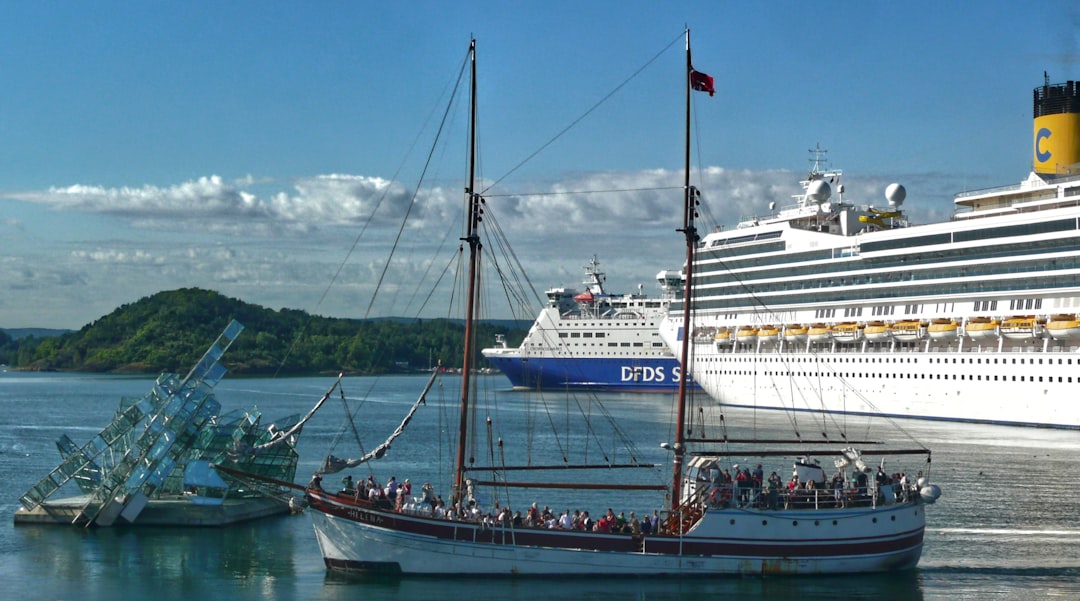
x=702, y=82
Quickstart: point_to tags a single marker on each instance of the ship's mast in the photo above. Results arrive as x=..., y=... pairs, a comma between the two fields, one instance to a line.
x=473, y=212
x=690, y=231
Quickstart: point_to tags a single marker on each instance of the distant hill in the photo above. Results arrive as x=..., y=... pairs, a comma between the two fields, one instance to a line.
x=17, y=333
x=170, y=330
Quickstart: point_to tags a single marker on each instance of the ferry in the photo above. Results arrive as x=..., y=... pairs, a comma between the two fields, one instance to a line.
x=595, y=340
x=973, y=319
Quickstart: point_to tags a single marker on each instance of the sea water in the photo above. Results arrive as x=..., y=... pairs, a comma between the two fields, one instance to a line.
x=1007, y=525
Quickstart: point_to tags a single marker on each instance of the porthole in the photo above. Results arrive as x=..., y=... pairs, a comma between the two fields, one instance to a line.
x=764, y=522
x=875, y=520
x=795, y=522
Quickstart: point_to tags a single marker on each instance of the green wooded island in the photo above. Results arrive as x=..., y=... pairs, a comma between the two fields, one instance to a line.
x=170, y=330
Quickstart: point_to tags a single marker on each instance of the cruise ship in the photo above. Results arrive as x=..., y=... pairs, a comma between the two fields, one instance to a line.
x=830, y=305
x=594, y=340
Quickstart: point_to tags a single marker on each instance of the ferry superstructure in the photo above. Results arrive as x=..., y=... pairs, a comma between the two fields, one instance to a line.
x=829, y=305
x=595, y=340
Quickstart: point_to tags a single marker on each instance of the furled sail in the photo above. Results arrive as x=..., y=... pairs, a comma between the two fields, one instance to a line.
x=336, y=464
x=281, y=437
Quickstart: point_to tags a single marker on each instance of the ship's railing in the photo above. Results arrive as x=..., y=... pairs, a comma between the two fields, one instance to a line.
x=918, y=346
x=763, y=498
x=1012, y=187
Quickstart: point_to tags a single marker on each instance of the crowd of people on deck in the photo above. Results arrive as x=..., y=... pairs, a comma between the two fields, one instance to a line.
x=398, y=496
x=750, y=489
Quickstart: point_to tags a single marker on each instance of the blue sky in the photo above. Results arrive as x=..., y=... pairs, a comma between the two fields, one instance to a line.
x=239, y=146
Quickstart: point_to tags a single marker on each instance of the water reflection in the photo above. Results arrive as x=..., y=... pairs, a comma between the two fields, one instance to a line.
x=904, y=586
x=172, y=562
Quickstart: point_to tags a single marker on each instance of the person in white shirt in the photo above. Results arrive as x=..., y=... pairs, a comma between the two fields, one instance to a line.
x=566, y=521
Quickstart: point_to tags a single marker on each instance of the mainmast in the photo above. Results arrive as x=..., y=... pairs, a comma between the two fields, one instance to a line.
x=690, y=231
x=473, y=212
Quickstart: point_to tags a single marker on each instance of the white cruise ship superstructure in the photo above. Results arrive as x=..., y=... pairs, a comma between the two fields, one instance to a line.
x=847, y=308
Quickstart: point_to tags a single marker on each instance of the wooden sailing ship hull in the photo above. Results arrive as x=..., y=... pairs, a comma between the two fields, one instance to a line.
x=355, y=536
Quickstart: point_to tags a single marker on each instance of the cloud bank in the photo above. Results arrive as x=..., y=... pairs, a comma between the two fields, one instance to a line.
x=283, y=246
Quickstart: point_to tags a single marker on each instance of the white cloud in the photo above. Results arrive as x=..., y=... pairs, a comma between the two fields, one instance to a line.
x=119, y=256
x=229, y=207
x=283, y=249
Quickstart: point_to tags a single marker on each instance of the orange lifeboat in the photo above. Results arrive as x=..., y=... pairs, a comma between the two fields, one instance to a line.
x=795, y=333
x=746, y=334
x=1064, y=327
x=769, y=334
x=722, y=336
x=943, y=329
x=982, y=328
x=848, y=332
x=877, y=331
x=908, y=330
x=1024, y=327
x=819, y=332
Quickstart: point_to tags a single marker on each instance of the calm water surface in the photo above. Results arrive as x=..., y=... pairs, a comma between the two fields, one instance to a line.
x=1007, y=526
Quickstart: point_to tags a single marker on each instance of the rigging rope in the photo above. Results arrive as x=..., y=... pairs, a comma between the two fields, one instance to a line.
x=416, y=190
x=586, y=113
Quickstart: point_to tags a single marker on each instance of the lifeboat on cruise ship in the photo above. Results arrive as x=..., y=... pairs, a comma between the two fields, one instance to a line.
x=909, y=330
x=746, y=335
x=795, y=333
x=1064, y=327
x=848, y=332
x=722, y=337
x=768, y=334
x=585, y=298
x=704, y=335
x=877, y=331
x=982, y=328
x=819, y=332
x=943, y=329
x=1023, y=327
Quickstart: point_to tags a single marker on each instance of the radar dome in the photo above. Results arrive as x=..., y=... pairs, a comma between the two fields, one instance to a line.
x=895, y=194
x=818, y=191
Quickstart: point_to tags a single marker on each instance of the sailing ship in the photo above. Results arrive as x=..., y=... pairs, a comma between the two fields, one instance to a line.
x=709, y=526
x=595, y=340
x=971, y=319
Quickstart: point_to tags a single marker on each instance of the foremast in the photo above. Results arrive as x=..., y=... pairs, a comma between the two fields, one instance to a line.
x=472, y=220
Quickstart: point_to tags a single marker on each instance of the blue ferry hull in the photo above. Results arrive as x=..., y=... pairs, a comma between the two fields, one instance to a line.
x=659, y=374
